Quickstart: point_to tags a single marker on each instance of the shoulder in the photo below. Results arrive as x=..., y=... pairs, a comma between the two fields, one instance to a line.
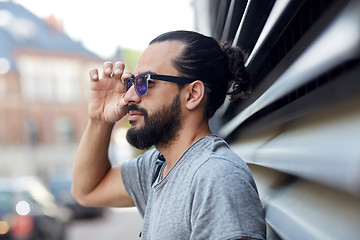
x=222, y=160
x=223, y=170
x=213, y=158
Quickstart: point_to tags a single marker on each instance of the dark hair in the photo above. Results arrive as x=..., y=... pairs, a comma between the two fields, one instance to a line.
x=219, y=66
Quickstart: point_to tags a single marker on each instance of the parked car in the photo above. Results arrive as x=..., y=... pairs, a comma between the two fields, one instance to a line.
x=60, y=186
x=28, y=211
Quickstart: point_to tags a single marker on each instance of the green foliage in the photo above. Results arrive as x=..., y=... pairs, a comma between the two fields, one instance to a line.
x=129, y=57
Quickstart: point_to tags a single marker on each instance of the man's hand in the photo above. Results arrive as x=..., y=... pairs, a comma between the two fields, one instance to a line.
x=95, y=182
x=106, y=102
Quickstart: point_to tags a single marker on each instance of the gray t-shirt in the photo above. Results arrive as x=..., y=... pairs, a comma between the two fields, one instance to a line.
x=208, y=194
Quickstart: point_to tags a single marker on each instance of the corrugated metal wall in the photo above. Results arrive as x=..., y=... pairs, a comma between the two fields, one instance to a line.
x=300, y=130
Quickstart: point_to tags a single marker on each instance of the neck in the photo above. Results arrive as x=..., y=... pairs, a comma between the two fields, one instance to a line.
x=187, y=136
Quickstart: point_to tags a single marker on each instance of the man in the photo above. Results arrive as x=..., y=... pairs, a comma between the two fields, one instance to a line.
x=197, y=188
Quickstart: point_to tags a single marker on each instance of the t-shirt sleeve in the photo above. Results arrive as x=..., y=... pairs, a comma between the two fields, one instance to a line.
x=225, y=203
x=136, y=175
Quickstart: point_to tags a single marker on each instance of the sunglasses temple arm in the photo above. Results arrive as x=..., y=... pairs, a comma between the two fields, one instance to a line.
x=173, y=79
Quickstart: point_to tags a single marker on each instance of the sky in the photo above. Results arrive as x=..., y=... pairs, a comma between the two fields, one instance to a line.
x=102, y=26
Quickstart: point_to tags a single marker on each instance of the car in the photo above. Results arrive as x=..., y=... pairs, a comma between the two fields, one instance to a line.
x=28, y=211
x=60, y=187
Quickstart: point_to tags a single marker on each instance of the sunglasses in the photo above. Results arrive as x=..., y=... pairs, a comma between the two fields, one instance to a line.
x=141, y=82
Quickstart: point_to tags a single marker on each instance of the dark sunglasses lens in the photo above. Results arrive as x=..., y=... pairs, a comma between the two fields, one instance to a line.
x=127, y=84
x=141, y=85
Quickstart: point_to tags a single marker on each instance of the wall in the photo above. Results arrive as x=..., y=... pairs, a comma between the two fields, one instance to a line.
x=299, y=130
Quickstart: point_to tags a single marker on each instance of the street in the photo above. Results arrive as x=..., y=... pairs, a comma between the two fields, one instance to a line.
x=116, y=224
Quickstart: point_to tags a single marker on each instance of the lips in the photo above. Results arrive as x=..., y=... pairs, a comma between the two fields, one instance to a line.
x=135, y=115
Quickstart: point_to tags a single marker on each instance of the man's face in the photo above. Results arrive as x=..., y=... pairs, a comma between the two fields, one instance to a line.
x=155, y=117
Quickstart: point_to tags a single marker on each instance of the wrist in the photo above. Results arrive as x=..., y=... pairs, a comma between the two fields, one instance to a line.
x=103, y=125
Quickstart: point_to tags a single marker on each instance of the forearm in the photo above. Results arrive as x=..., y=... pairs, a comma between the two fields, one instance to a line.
x=91, y=161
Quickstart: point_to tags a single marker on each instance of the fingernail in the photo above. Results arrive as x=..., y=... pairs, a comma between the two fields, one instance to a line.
x=108, y=69
x=95, y=76
x=117, y=71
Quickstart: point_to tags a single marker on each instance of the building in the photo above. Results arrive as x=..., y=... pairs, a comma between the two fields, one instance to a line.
x=43, y=88
x=43, y=79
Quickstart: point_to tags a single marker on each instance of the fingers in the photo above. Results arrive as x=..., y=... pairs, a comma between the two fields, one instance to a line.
x=118, y=70
x=94, y=75
x=107, y=69
x=110, y=70
x=113, y=70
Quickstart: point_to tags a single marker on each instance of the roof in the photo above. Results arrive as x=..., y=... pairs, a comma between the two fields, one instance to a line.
x=21, y=29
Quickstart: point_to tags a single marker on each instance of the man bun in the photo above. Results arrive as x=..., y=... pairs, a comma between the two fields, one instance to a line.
x=239, y=80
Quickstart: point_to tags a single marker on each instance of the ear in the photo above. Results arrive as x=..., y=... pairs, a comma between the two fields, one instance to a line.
x=195, y=93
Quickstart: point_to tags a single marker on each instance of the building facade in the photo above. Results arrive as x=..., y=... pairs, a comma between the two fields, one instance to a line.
x=43, y=93
x=43, y=80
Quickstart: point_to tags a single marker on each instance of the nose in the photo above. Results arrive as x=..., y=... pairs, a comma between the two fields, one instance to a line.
x=131, y=96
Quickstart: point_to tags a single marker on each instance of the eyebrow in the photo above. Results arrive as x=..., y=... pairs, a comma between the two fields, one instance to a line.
x=148, y=72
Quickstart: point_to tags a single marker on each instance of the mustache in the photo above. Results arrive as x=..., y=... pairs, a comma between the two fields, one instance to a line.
x=134, y=107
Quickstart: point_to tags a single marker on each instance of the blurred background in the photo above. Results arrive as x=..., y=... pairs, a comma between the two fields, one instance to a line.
x=46, y=50
x=298, y=131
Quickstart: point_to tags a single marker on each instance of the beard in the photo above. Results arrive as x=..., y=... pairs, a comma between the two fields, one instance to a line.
x=160, y=129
